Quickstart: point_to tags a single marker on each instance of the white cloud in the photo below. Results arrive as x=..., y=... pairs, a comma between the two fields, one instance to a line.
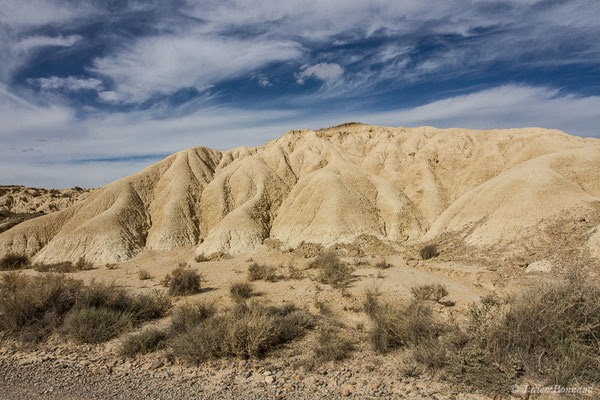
x=40, y=41
x=67, y=139
x=69, y=83
x=324, y=71
x=163, y=64
x=509, y=106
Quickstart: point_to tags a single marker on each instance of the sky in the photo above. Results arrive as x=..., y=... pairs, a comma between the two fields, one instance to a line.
x=94, y=90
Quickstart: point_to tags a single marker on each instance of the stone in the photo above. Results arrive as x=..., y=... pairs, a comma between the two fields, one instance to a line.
x=269, y=379
x=156, y=364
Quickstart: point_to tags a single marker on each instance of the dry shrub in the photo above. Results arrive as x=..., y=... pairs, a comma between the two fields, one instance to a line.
x=63, y=267
x=12, y=262
x=146, y=341
x=331, y=270
x=111, y=266
x=434, y=292
x=383, y=265
x=332, y=344
x=400, y=324
x=242, y=331
x=83, y=265
x=96, y=325
x=240, y=291
x=200, y=258
x=294, y=272
x=183, y=281
x=261, y=272
x=143, y=275
x=550, y=331
x=105, y=311
x=33, y=307
x=429, y=251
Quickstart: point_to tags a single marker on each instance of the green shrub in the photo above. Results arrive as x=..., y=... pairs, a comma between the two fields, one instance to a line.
x=146, y=341
x=429, y=251
x=261, y=272
x=11, y=262
x=434, y=292
x=183, y=281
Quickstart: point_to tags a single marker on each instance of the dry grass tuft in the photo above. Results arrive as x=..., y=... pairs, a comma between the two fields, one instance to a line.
x=332, y=344
x=434, y=292
x=261, y=272
x=429, y=251
x=331, y=270
x=240, y=291
x=12, y=262
x=183, y=281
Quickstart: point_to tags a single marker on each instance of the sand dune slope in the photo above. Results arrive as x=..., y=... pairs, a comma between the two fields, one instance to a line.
x=398, y=185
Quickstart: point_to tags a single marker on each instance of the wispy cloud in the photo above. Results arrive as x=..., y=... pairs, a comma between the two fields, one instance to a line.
x=326, y=72
x=69, y=83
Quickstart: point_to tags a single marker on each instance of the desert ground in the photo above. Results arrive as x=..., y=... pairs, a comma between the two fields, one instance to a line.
x=416, y=263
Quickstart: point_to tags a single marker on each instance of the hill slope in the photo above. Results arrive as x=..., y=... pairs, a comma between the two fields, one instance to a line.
x=399, y=185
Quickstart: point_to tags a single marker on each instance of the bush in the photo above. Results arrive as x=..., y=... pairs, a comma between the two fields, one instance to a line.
x=146, y=341
x=11, y=262
x=200, y=258
x=383, y=265
x=400, y=324
x=183, y=281
x=95, y=325
x=331, y=270
x=63, y=267
x=188, y=315
x=261, y=272
x=143, y=275
x=551, y=330
x=104, y=311
x=83, y=265
x=429, y=251
x=33, y=307
x=294, y=272
x=332, y=345
x=240, y=291
x=242, y=331
x=434, y=292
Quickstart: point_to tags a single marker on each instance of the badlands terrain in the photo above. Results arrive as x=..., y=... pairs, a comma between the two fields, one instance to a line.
x=472, y=214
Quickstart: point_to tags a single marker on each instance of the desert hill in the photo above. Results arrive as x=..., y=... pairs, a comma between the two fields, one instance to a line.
x=20, y=203
x=512, y=190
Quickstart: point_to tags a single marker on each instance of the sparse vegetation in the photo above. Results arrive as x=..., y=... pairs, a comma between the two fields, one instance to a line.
x=143, y=275
x=383, y=265
x=200, y=258
x=83, y=265
x=31, y=308
x=146, y=341
x=12, y=262
x=242, y=331
x=240, y=291
x=111, y=266
x=434, y=292
x=294, y=272
x=261, y=272
x=332, y=345
x=183, y=281
x=429, y=251
x=399, y=324
x=331, y=270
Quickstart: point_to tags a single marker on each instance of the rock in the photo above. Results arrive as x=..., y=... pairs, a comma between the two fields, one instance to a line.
x=542, y=266
x=345, y=391
x=156, y=364
x=269, y=379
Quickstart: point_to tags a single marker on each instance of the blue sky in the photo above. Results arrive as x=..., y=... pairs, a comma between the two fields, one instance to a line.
x=94, y=90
